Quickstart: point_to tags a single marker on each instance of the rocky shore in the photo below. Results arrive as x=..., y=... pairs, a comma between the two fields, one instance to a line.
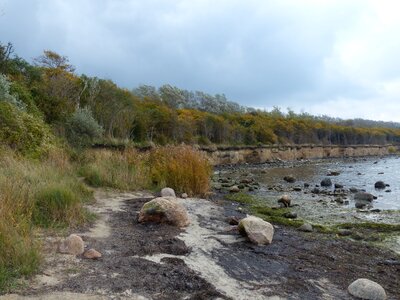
x=204, y=258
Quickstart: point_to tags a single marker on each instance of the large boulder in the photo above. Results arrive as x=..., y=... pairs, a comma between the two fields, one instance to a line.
x=367, y=289
x=167, y=192
x=257, y=230
x=326, y=182
x=380, y=185
x=72, y=245
x=164, y=210
x=364, y=196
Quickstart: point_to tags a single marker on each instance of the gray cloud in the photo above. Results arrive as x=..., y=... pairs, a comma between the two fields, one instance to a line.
x=318, y=56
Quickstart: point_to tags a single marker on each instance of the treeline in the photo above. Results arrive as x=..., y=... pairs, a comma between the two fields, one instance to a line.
x=46, y=98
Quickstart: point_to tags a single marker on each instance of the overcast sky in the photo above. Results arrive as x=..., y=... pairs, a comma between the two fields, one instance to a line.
x=339, y=58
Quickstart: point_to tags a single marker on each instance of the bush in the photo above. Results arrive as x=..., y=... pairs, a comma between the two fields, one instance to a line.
x=5, y=95
x=182, y=168
x=82, y=128
x=23, y=132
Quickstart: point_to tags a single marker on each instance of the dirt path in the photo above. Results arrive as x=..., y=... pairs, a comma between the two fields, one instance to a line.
x=205, y=261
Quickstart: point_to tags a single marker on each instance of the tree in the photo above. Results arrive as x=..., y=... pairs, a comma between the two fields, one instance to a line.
x=53, y=60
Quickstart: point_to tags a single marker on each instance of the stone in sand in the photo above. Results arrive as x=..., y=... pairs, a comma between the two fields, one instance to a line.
x=380, y=185
x=367, y=289
x=289, y=178
x=364, y=196
x=257, y=230
x=72, y=245
x=164, y=210
x=234, y=189
x=167, y=192
x=326, y=182
x=92, y=254
x=306, y=227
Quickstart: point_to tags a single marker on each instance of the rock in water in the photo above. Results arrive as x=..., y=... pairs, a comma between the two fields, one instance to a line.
x=306, y=227
x=72, y=245
x=363, y=196
x=168, y=192
x=257, y=230
x=380, y=185
x=285, y=200
x=326, y=182
x=289, y=178
x=367, y=289
x=92, y=254
x=164, y=210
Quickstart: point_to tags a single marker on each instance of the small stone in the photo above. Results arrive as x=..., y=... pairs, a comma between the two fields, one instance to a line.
x=289, y=178
x=92, y=254
x=364, y=196
x=297, y=189
x=233, y=220
x=306, y=227
x=353, y=190
x=285, y=200
x=344, y=232
x=315, y=190
x=72, y=245
x=290, y=215
x=333, y=173
x=184, y=196
x=234, y=189
x=326, y=182
x=338, y=186
x=380, y=185
x=168, y=192
x=367, y=289
x=306, y=185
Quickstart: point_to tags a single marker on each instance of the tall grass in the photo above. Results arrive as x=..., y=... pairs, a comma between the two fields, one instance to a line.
x=126, y=170
x=34, y=194
x=180, y=167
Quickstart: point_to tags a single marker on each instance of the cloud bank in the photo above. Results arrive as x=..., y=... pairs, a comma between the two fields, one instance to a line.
x=324, y=57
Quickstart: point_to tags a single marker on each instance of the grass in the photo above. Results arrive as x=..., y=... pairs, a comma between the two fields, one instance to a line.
x=179, y=167
x=34, y=194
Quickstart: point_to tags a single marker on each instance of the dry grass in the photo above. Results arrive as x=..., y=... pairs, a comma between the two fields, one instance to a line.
x=125, y=170
x=34, y=193
x=182, y=168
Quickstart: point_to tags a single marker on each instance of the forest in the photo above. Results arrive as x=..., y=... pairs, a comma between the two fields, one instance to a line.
x=47, y=100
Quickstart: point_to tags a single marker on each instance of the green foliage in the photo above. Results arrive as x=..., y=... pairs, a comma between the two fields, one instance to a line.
x=23, y=132
x=5, y=95
x=82, y=129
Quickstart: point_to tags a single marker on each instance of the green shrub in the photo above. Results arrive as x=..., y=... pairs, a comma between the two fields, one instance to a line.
x=6, y=96
x=82, y=128
x=23, y=132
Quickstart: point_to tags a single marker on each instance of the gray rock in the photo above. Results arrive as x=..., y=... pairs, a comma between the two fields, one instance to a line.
x=289, y=178
x=306, y=227
x=353, y=190
x=184, y=196
x=290, y=215
x=285, y=200
x=257, y=230
x=168, y=192
x=380, y=185
x=92, y=254
x=364, y=196
x=367, y=289
x=344, y=232
x=338, y=186
x=326, y=182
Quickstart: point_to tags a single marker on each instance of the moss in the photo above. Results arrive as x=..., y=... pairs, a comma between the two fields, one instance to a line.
x=378, y=227
x=242, y=198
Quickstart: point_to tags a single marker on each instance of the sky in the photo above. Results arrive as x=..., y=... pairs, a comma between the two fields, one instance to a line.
x=325, y=57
